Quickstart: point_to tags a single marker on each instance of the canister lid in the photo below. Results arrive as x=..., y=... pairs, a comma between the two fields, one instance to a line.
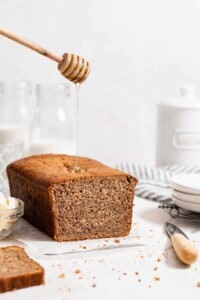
x=186, y=100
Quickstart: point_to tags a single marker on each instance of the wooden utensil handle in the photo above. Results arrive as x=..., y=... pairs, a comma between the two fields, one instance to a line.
x=184, y=248
x=30, y=45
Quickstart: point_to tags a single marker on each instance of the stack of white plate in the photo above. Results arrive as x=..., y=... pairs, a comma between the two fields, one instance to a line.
x=186, y=191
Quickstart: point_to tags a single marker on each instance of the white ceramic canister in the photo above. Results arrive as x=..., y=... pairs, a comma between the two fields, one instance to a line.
x=178, y=130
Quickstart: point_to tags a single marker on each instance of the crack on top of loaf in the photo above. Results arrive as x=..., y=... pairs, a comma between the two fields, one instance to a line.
x=74, y=169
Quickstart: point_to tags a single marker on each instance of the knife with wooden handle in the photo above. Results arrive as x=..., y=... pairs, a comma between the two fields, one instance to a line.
x=184, y=248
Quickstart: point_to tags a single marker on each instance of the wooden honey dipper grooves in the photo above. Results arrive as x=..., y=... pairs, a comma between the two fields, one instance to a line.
x=71, y=66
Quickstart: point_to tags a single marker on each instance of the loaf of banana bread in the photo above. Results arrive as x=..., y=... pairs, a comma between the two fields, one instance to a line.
x=17, y=270
x=73, y=198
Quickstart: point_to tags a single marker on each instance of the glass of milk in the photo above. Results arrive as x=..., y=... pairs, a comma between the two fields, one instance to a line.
x=52, y=126
x=15, y=100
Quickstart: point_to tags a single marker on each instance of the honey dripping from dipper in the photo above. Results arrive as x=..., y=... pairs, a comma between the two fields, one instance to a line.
x=73, y=67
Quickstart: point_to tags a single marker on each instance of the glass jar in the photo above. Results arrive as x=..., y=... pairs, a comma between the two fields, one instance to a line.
x=52, y=126
x=15, y=113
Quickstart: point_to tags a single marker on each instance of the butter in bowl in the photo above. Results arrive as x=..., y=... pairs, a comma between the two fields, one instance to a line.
x=11, y=209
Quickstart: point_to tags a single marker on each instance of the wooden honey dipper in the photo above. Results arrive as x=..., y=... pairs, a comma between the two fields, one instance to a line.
x=71, y=66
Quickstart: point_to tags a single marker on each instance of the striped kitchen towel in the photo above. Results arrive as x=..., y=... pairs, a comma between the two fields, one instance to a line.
x=155, y=182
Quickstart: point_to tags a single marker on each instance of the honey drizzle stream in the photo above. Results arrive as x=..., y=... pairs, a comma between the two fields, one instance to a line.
x=77, y=123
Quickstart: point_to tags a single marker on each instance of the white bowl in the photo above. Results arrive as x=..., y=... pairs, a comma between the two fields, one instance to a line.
x=187, y=183
x=192, y=206
x=186, y=197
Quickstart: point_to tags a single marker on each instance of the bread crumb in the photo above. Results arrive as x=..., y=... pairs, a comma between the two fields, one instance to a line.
x=124, y=273
x=84, y=247
x=149, y=286
x=117, y=241
x=80, y=277
x=77, y=271
x=198, y=284
x=62, y=275
x=137, y=236
x=156, y=278
x=155, y=269
x=139, y=280
x=158, y=260
x=94, y=285
x=136, y=273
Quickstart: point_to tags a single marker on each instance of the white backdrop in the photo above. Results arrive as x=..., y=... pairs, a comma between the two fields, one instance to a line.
x=141, y=51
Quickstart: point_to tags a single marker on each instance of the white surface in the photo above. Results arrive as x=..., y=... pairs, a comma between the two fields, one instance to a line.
x=114, y=271
x=141, y=51
x=187, y=183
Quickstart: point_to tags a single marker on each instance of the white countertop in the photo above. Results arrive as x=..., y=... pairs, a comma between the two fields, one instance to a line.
x=143, y=272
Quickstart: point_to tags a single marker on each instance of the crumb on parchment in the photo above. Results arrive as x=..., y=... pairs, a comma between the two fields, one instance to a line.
x=136, y=273
x=156, y=278
x=158, y=260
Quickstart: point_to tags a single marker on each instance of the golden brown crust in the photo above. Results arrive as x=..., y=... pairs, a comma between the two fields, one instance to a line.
x=12, y=274
x=47, y=169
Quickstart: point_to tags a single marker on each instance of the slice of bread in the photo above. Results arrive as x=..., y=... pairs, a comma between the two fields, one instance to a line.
x=18, y=270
